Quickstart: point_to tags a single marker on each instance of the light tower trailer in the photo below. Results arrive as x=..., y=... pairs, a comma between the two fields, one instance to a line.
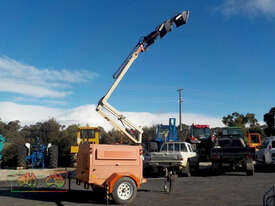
x=118, y=168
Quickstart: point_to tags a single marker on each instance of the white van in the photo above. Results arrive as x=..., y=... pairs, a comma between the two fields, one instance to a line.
x=266, y=154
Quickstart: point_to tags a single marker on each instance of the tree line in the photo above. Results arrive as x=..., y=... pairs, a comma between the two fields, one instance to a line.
x=51, y=131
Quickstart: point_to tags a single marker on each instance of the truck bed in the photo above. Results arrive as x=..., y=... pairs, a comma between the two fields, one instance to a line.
x=231, y=153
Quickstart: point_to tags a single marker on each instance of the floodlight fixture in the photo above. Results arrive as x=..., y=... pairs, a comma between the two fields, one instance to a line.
x=165, y=27
x=181, y=18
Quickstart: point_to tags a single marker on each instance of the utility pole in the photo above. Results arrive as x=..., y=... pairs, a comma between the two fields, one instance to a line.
x=180, y=101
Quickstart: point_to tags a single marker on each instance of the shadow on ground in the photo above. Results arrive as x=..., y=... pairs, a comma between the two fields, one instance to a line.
x=264, y=168
x=55, y=195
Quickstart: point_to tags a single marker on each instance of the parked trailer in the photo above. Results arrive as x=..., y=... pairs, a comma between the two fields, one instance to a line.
x=119, y=168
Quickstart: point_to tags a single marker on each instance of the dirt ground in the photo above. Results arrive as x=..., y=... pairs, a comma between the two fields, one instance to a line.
x=229, y=189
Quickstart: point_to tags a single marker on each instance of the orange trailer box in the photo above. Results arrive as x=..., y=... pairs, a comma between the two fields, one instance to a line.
x=117, y=166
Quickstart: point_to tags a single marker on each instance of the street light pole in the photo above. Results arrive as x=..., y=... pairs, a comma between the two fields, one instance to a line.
x=180, y=101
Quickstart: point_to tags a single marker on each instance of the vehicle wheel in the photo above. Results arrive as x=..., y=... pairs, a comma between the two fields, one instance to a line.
x=216, y=167
x=124, y=191
x=21, y=156
x=53, y=157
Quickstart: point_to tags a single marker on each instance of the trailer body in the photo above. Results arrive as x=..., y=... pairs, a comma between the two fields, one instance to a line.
x=101, y=165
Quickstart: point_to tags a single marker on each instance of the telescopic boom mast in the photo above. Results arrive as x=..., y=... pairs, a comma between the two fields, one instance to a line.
x=161, y=31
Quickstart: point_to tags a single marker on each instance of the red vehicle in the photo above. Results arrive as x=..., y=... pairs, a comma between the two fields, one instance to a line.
x=200, y=136
x=198, y=133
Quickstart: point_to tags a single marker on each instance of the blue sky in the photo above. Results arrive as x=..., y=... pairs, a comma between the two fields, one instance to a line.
x=60, y=55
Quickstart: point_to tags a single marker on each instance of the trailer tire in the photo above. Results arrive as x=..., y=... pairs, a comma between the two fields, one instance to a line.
x=21, y=156
x=124, y=190
x=53, y=157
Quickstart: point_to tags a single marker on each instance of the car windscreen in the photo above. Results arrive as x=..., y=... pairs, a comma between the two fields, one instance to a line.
x=224, y=142
x=87, y=134
x=170, y=147
x=198, y=132
x=164, y=148
x=232, y=132
x=237, y=143
x=255, y=139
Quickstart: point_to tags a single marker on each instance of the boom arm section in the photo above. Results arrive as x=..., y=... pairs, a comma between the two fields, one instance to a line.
x=103, y=105
x=118, y=75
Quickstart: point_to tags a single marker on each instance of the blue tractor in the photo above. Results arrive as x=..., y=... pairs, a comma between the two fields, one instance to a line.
x=164, y=133
x=167, y=133
x=37, y=155
x=2, y=142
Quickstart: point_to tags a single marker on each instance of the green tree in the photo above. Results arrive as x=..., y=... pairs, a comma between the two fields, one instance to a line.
x=247, y=122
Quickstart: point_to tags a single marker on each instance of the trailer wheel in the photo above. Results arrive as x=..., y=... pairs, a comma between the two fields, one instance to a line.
x=21, y=156
x=53, y=157
x=124, y=191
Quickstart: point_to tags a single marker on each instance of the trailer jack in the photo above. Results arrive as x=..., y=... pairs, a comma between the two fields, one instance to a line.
x=107, y=194
x=170, y=180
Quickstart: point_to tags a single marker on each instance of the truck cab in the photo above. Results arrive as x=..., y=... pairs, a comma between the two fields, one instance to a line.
x=254, y=140
x=231, y=152
x=200, y=136
x=86, y=134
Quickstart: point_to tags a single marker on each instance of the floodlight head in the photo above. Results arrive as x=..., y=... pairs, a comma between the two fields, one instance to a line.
x=181, y=18
x=165, y=28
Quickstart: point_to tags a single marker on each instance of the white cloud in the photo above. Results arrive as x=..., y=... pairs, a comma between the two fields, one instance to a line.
x=26, y=114
x=86, y=114
x=248, y=7
x=24, y=88
x=24, y=79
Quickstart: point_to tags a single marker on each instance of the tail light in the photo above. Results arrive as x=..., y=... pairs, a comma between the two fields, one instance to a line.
x=193, y=138
x=181, y=158
x=141, y=151
x=270, y=147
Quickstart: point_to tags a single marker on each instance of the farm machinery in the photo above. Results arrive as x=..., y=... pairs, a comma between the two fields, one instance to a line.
x=201, y=139
x=167, y=133
x=164, y=133
x=2, y=142
x=84, y=134
x=118, y=168
x=37, y=155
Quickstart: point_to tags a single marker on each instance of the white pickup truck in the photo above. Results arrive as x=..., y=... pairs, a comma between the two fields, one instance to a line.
x=176, y=156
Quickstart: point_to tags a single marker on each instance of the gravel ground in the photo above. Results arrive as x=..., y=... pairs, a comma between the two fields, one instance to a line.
x=230, y=189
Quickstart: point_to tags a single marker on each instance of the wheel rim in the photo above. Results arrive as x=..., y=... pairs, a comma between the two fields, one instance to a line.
x=124, y=191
